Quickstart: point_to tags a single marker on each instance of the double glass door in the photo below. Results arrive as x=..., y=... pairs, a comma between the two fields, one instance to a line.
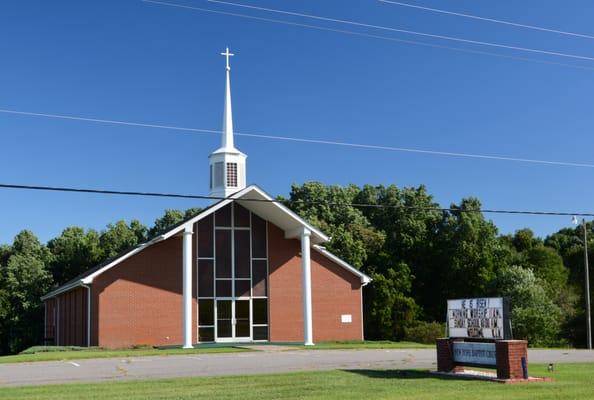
x=233, y=320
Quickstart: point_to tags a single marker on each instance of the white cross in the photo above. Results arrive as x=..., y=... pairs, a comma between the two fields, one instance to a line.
x=227, y=55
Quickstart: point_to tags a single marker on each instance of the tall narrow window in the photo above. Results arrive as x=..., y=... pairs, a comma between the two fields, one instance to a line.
x=232, y=174
x=218, y=174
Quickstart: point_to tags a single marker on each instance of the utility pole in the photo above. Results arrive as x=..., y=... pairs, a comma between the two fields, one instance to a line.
x=587, y=294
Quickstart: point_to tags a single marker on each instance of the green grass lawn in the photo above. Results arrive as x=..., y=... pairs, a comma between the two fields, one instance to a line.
x=572, y=381
x=58, y=354
x=102, y=353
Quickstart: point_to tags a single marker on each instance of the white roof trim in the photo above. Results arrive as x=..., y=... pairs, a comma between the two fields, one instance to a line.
x=364, y=278
x=62, y=289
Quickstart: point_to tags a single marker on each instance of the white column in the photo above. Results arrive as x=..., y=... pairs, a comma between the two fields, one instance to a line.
x=306, y=271
x=187, y=289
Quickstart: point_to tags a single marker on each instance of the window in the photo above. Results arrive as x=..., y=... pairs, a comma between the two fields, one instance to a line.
x=232, y=174
x=218, y=174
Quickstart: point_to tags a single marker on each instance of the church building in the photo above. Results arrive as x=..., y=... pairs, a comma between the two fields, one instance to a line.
x=245, y=269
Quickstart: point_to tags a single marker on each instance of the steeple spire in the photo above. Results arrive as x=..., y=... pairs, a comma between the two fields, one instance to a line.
x=227, y=141
x=227, y=167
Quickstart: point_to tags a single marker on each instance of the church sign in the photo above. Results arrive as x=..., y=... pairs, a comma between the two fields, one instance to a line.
x=474, y=353
x=479, y=318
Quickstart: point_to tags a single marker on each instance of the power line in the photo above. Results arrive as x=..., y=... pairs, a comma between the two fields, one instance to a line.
x=409, y=32
x=304, y=140
x=368, y=35
x=497, y=21
x=363, y=205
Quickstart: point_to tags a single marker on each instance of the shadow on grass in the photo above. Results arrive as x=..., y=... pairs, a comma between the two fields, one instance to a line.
x=401, y=374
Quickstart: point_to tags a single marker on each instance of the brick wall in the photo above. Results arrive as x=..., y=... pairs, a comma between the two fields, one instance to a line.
x=509, y=358
x=335, y=291
x=140, y=300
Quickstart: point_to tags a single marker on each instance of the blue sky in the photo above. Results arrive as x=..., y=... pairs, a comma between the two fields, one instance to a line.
x=134, y=61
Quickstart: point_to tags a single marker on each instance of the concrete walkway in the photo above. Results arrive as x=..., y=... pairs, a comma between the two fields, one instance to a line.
x=116, y=369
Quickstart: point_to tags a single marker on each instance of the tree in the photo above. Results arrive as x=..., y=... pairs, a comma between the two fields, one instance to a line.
x=119, y=237
x=388, y=310
x=24, y=280
x=534, y=315
x=74, y=251
x=469, y=254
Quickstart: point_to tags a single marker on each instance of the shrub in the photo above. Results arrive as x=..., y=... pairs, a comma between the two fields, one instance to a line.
x=424, y=332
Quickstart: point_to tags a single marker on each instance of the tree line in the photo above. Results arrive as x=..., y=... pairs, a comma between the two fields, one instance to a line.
x=418, y=256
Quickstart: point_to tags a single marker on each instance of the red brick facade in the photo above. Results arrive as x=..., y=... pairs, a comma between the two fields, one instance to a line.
x=139, y=301
x=335, y=292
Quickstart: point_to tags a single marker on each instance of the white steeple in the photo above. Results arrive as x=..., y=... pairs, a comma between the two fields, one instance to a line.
x=227, y=164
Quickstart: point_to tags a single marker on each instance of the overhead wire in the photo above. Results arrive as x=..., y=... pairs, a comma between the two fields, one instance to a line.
x=497, y=21
x=306, y=140
x=398, y=30
x=309, y=202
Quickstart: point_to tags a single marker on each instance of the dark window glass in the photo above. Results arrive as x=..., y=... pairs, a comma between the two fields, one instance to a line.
x=224, y=288
x=258, y=237
x=242, y=254
x=241, y=216
x=205, y=237
x=224, y=318
x=260, y=333
x=259, y=278
x=242, y=318
x=205, y=312
x=242, y=288
x=223, y=216
x=206, y=334
x=223, y=256
x=205, y=278
x=260, y=311
x=242, y=328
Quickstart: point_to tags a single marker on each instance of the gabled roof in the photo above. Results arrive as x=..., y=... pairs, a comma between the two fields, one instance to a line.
x=254, y=199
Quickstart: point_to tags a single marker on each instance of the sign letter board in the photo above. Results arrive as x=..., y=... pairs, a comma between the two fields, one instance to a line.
x=481, y=318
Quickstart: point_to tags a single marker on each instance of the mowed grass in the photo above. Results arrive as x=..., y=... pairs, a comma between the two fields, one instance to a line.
x=102, y=353
x=572, y=381
x=56, y=354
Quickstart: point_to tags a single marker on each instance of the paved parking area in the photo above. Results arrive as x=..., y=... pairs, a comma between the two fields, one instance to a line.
x=258, y=362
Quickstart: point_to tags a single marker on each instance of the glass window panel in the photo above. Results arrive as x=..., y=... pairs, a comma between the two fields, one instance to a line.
x=224, y=326
x=223, y=254
x=224, y=288
x=218, y=173
x=260, y=333
x=205, y=312
x=242, y=288
x=223, y=216
x=242, y=254
x=260, y=311
x=205, y=237
x=258, y=237
x=205, y=278
x=242, y=328
x=259, y=272
x=241, y=216
x=242, y=309
x=206, y=334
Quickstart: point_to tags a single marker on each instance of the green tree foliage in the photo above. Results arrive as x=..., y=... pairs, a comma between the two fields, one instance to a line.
x=25, y=278
x=535, y=317
x=121, y=236
x=74, y=251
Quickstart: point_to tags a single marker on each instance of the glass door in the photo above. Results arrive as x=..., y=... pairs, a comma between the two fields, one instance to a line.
x=224, y=320
x=242, y=320
x=233, y=320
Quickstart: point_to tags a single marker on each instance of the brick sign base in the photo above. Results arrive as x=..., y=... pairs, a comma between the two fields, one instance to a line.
x=509, y=354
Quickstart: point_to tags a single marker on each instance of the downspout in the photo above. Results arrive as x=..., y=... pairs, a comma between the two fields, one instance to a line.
x=88, y=313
